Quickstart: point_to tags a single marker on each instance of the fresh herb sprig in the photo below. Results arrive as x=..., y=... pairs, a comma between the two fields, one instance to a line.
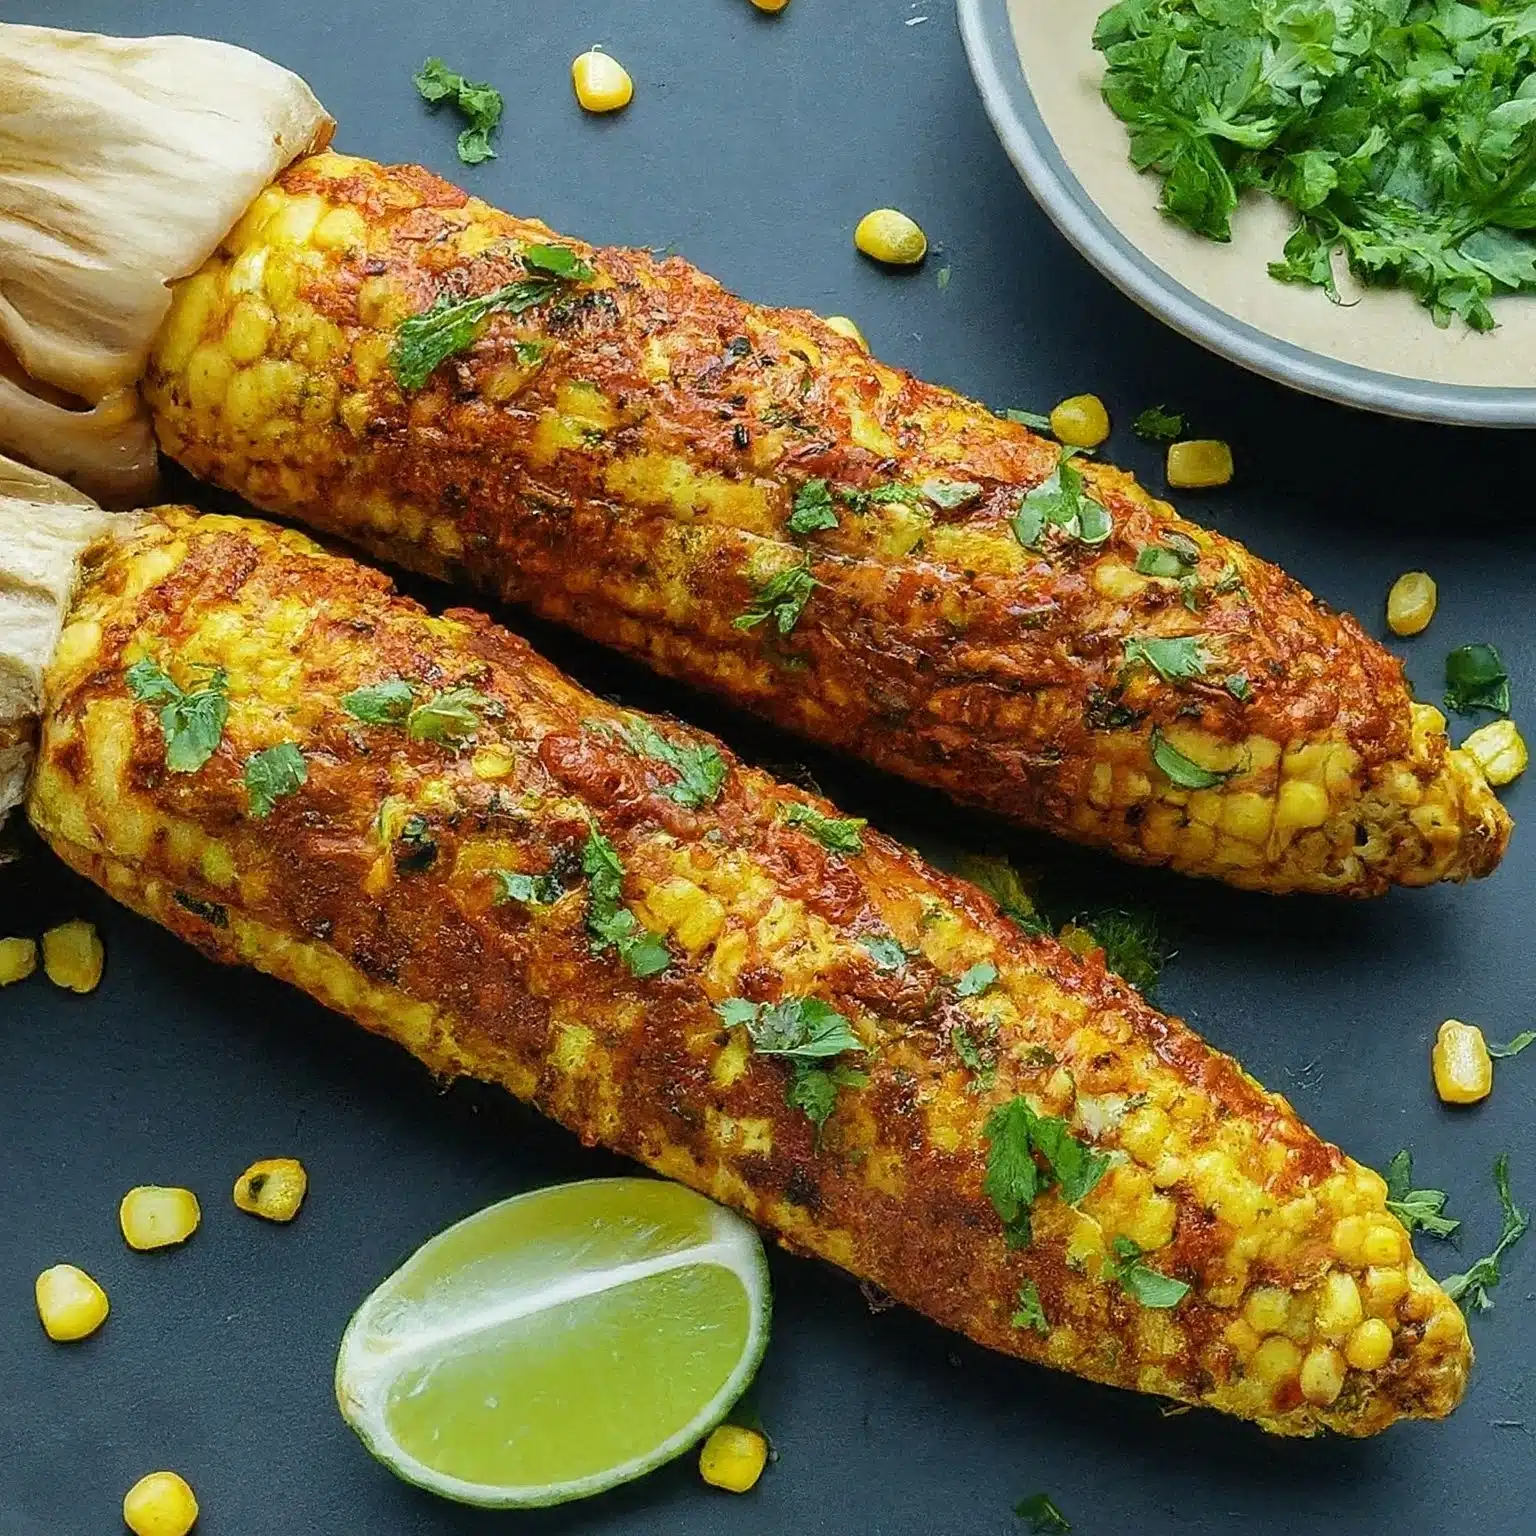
x=808, y=1033
x=191, y=720
x=272, y=774
x=700, y=769
x=1417, y=1209
x=1481, y=1278
x=609, y=921
x=481, y=104
x=837, y=834
x=1015, y=1136
x=1475, y=678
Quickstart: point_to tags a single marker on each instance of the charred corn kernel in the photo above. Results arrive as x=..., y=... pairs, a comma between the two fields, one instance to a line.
x=71, y=1304
x=733, y=1458
x=1411, y=603
x=845, y=327
x=1267, y=1309
x=272, y=1188
x=1198, y=464
x=1080, y=421
x=1499, y=750
x=1462, y=1067
x=602, y=83
x=1322, y=1375
x=161, y=1504
x=1338, y=1307
x=889, y=236
x=18, y=959
x=153, y=1216
x=1370, y=1345
x=73, y=956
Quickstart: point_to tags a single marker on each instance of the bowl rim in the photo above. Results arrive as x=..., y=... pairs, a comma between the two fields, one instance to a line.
x=987, y=35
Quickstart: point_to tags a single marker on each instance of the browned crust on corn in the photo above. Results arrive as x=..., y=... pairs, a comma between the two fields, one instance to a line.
x=1216, y=1179
x=634, y=481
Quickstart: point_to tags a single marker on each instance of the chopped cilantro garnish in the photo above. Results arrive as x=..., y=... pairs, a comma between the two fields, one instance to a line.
x=481, y=104
x=1030, y=1313
x=888, y=953
x=781, y=598
x=814, y=1089
x=1149, y=1286
x=1416, y=1208
x=609, y=921
x=1003, y=883
x=272, y=773
x=191, y=722
x=557, y=261
x=1060, y=502
x=449, y=717
x=1015, y=1134
x=1185, y=773
x=1475, y=1284
x=531, y=890
x=971, y=1057
x=1043, y=1516
x=813, y=509
x=975, y=981
x=1032, y=419
x=1175, y=659
x=1176, y=555
x=386, y=703
x=950, y=494
x=420, y=847
x=1157, y=424
x=1475, y=679
x=807, y=1032
x=1133, y=948
x=840, y=834
x=700, y=769
x=1524, y=1038
x=1238, y=686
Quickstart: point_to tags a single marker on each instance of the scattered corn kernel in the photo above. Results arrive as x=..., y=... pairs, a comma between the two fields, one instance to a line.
x=1322, y=1375
x=161, y=1504
x=73, y=956
x=773, y=7
x=733, y=1458
x=1461, y=1064
x=845, y=327
x=18, y=959
x=273, y=1188
x=1198, y=464
x=890, y=236
x=71, y=1304
x=153, y=1216
x=1411, y=603
x=1499, y=750
x=1080, y=421
x=602, y=83
x=1370, y=1345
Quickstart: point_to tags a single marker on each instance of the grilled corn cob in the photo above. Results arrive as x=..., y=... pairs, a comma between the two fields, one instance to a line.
x=614, y=919
x=746, y=499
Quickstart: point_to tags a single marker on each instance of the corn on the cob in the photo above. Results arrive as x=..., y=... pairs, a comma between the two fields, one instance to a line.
x=661, y=465
x=601, y=912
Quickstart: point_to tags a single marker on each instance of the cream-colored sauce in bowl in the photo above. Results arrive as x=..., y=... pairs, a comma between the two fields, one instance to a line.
x=1378, y=348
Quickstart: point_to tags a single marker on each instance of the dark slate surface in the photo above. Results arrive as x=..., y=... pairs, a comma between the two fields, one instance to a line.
x=753, y=146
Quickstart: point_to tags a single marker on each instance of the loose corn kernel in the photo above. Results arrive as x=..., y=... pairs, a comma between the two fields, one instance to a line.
x=733, y=1458
x=1499, y=750
x=1370, y=1345
x=72, y=956
x=1080, y=421
x=602, y=83
x=1338, y=1308
x=890, y=236
x=845, y=327
x=272, y=1188
x=1322, y=1375
x=1198, y=464
x=1462, y=1067
x=1411, y=603
x=71, y=1304
x=161, y=1504
x=153, y=1216
x=773, y=7
x=18, y=959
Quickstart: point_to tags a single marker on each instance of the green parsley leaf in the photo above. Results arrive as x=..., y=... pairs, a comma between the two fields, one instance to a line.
x=272, y=773
x=481, y=104
x=557, y=261
x=448, y=718
x=1183, y=772
x=976, y=980
x=192, y=723
x=530, y=890
x=813, y=509
x=1030, y=1313
x=609, y=921
x=814, y=1089
x=1060, y=502
x=1175, y=659
x=700, y=769
x=840, y=834
x=1032, y=419
x=386, y=703
x=1484, y=1275
x=1148, y=1286
x=1524, y=1038
x=1015, y=1133
x=781, y=598
x=950, y=494
x=1157, y=424
x=1416, y=1208
x=1043, y=1516
x=889, y=953
x=1475, y=679
x=1003, y=883
x=450, y=326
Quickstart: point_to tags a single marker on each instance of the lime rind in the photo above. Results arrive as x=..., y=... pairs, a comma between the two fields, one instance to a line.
x=371, y=1357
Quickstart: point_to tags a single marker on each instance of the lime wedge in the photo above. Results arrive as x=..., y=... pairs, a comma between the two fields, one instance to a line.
x=558, y=1343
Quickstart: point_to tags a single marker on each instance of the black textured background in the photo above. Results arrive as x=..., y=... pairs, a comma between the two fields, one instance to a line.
x=753, y=146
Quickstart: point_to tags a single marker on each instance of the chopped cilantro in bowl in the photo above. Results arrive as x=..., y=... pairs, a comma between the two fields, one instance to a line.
x=1401, y=132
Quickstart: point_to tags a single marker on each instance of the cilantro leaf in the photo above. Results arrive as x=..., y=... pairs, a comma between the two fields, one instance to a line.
x=419, y=847
x=971, y=1057
x=1524, y=1038
x=422, y=342
x=888, y=953
x=1485, y=1274
x=1031, y=419
x=1043, y=1516
x=386, y=703
x=1416, y=1208
x=1030, y=1313
x=272, y=773
x=813, y=509
x=807, y=1032
x=1060, y=501
x=1002, y=882
x=781, y=598
x=700, y=770
x=1133, y=947
x=609, y=922
x=1015, y=1134
x=192, y=723
x=975, y=981
x=530, y=890
x=557, y=261
x=1148, y=1286
x=950, y=494
x=1475, y=679
x=481, y=104
x=1175, y=556
x=1180, y=769
x=839, y=834
x=447, y=718
x=1157, y=424
x=1175, y=659
x=814, y=1089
